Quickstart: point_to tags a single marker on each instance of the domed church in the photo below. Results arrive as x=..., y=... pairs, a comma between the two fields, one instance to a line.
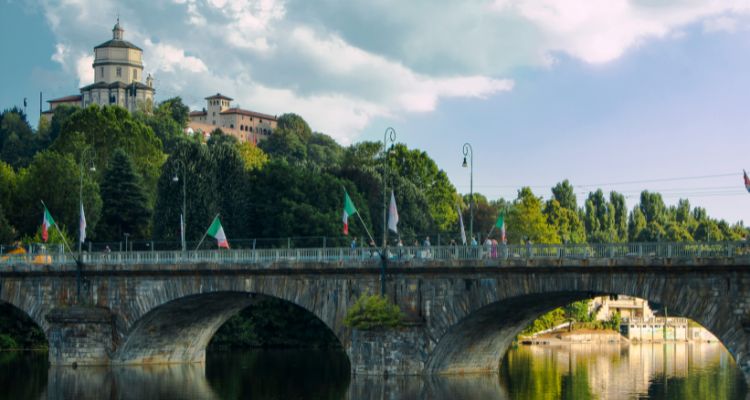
x=118, y=71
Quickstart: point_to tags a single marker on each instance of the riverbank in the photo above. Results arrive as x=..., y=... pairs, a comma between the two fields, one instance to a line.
x=574, y=336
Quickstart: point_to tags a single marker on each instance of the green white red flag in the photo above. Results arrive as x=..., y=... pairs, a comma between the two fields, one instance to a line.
x=47, y=222
x=349, y=210
x=500, y=224
x=216, y=231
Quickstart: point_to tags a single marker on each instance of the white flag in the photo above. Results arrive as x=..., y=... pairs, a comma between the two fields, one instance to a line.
x=393, y=214
x=182, y=229
x=461, y=222
x=82, y=226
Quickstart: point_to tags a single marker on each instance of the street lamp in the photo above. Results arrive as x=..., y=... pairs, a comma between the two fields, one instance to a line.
x=469, y=152
x=390, y=135
x=183, y=220
x=86, y=155
x=87, y=152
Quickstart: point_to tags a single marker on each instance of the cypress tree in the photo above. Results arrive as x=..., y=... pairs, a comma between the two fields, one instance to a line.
x=125, y=205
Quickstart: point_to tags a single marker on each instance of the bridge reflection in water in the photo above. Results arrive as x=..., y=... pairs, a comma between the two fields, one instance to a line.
x=650, y=371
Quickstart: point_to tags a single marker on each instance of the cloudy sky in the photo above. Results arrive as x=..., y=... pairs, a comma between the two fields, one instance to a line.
x=623, y=95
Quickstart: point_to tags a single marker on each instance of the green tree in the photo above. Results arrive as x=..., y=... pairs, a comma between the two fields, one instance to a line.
x=291, y=201
x=18, y=143
x=229, y=179
x=202, y=196
x=526, y=220
x=285, y=144
x=620, y=216
x=676, y=232
x=8, y=181
x=323, y=151
x=252, y=156
x=176, y=110
x=106, y=129
x=653, y=207
x=566, y=222
x=654, y=232
x=169, y=131
x=418, y=168
x=373, y=311
x=7, y=231
x=599, y=219
x=55, y=179
x=565, y=196
x=636, y=224
x=578, y=311
x=125, y=204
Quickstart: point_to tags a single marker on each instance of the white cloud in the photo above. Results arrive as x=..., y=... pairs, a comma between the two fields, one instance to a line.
x=84, y=70
x=599, y=32
x=167, y=58
x=720, y=24
x=342, y=64
x=61, y=53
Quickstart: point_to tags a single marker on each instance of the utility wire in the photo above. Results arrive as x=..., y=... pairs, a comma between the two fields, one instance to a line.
x=683, y=178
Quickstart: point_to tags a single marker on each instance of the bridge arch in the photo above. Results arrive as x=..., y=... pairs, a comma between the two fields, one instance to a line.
x=180, y=330
x=23, y=297
x=478, y=331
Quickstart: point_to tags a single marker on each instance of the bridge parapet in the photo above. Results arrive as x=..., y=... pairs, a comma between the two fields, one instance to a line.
x=612, y=254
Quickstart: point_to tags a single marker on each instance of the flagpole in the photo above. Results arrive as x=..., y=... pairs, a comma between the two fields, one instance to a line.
x=491, y=230
x=205, y=234
x=365, y=226
x=65, y=242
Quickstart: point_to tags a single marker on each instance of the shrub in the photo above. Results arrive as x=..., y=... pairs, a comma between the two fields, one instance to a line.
x=7, y=343
x=373, y=311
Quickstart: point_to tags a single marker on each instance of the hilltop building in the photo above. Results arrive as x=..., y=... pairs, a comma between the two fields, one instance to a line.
x=245, y=125
x=118, y=70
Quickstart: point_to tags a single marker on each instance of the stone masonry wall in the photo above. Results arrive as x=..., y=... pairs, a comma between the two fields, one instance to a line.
x=401, y=351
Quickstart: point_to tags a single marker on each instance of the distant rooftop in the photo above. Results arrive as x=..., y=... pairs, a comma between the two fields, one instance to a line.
x=219, y=96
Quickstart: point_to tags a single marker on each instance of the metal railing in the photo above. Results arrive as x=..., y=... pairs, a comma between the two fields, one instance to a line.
x=342, y=255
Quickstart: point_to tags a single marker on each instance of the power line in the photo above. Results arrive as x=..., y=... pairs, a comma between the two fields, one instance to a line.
x=684, y=178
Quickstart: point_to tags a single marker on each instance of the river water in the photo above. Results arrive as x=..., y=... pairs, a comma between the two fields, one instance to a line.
x=607, y=371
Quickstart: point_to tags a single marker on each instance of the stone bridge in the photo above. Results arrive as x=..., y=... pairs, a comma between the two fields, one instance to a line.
x=462, y=311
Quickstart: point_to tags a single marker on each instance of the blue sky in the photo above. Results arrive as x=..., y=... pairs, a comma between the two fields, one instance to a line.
x=627, y=95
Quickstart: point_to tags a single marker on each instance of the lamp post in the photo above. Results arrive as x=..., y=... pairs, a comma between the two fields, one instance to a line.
x=390, y=134
x=183, y=220
x=469, y=152
x=86, y=155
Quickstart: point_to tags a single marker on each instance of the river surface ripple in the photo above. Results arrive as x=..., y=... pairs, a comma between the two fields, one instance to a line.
x=580, y=371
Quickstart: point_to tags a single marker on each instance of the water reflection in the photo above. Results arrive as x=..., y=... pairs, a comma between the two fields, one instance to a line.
x=669, y=371
x=652, y=371
x=183, y=381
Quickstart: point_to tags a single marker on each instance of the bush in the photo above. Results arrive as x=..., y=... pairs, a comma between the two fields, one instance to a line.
x=373, y=311
x=7, y=343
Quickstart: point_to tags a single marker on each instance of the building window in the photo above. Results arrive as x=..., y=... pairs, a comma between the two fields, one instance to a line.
x=231, y=126
x=251, y=129
x=119, y=72
x=135, y=74
x=101, y=72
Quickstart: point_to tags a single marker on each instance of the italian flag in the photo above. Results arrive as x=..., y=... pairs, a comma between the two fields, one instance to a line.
x=500, y=224
x=349, y=210
x=217, y=232
x=47, y=222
